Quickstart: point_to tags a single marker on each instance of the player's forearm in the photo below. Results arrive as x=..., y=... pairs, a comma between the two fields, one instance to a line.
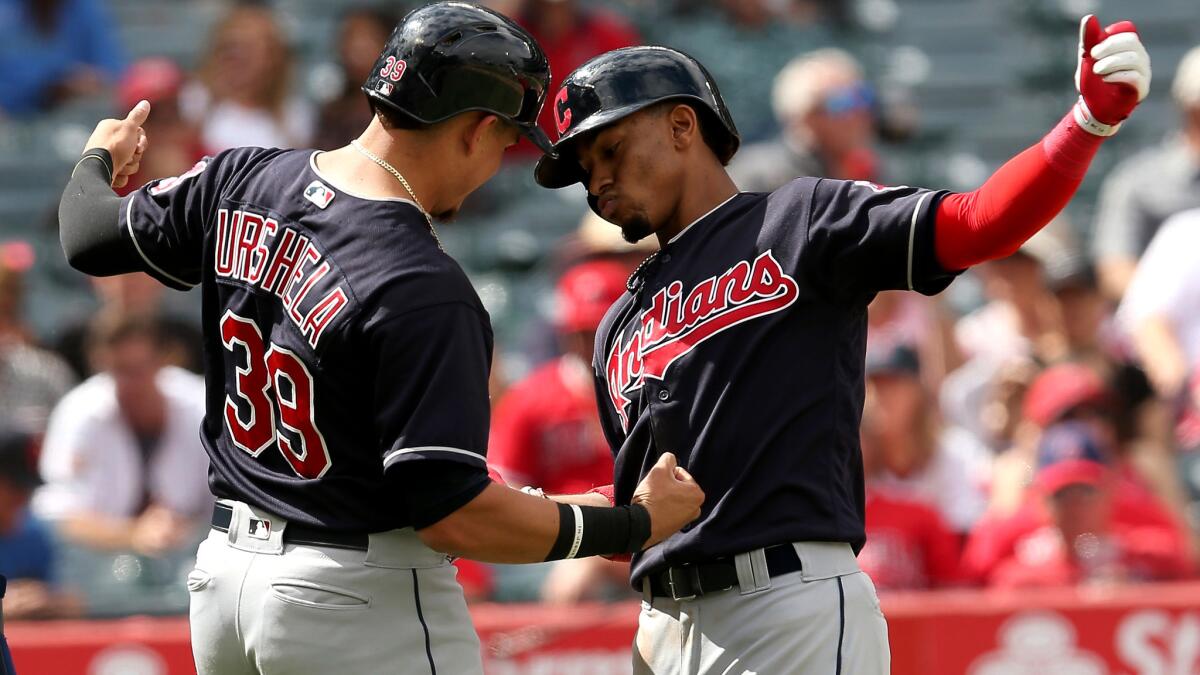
x=502, y=525
x=1021, y=198
x=88, y=219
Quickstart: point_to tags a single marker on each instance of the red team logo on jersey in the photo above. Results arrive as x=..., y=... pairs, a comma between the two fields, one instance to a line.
x=675, y=324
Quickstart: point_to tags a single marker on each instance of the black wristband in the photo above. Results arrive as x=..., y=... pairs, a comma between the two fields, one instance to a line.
x=566, y=533
x=639, y=527
x=602, y=531
x=98, y=154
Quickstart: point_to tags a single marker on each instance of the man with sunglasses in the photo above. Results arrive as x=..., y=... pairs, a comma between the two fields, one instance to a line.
x=827, y=119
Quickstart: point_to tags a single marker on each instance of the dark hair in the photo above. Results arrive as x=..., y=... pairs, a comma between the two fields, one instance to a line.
x=392, y=118
x=111, y=329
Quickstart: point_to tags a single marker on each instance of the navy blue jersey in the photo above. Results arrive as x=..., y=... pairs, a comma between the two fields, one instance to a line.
x=742, y=350
x=341, y=344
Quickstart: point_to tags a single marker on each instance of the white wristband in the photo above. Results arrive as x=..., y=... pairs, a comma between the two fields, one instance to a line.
x=578, y=513
x=534, y=491
x=1083, y=117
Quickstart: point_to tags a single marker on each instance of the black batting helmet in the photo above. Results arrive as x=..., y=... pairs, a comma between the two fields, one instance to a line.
x=451, y=57
x=615, y=85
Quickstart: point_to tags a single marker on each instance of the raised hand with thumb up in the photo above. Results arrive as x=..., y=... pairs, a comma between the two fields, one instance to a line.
x=125, y=141
x=1112, y=76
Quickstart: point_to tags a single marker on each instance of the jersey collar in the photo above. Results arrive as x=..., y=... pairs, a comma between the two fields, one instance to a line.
x=714, y=210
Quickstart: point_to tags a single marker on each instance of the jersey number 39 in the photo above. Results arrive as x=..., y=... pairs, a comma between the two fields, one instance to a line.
x=272, y=377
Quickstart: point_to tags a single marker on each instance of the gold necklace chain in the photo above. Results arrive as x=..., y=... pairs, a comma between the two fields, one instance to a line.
x=392, y=170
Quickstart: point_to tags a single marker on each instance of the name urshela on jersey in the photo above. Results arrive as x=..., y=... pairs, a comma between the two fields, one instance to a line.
x=254, y=249
x=674, y=324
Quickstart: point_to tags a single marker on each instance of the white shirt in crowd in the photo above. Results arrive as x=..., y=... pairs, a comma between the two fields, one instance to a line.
x=1167, y=283
x=91, y=461
x=225, y=124
x=954, y=482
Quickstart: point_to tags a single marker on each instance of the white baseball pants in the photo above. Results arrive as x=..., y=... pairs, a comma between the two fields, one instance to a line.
x=261, y=606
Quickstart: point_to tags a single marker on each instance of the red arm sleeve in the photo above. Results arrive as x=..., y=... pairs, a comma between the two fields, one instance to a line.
x=1017, y=201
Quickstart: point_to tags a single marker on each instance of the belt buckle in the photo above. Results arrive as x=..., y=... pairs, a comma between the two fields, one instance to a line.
x=694, y=573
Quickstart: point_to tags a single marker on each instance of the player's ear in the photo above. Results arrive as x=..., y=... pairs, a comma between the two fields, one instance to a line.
x=479, y=132
x=684, y=126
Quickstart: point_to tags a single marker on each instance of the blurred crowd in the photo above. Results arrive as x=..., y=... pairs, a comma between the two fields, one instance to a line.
x=1045, y=432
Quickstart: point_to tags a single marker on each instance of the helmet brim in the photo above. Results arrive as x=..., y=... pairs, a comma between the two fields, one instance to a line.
x=559, y=167
x=539, y=138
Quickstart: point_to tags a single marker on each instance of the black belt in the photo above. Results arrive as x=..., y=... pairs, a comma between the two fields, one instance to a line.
x=692, y=580
x=296, y=533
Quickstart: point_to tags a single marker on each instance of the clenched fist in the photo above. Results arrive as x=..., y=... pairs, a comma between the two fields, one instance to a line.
x=671, y=496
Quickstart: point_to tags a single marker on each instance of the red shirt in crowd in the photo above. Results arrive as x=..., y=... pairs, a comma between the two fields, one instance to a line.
x=908, y=545
x=546, y=431
x=1144, y=542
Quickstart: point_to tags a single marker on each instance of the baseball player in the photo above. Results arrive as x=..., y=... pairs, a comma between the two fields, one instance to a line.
x=739, y=346
x=346, y=360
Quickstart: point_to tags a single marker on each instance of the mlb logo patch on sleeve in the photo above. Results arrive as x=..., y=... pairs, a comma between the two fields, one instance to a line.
x=317, y=193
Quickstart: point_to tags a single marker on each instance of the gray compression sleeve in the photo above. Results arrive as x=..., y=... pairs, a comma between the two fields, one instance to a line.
x=89, y=220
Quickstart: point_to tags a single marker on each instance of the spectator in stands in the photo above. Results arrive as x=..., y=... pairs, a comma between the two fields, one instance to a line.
x=1084, y=523
x=242, y=93
x=945, y=468
x=122, y=461
x=1018, y=329
x=1084, y=313
x=743, y=52
x=1072, y=392
x=54, y=50
x=1161, y=308
x=31, y=379
x=923, y=324
x=27, y=553
x=1146, y=189
x=1021, y=317
x=570, y=34
x=546, y=431
x=361, y=36
x=826, y=118
x=909, y=546
x=132, y=294
x=596, y=239
x=176, y=147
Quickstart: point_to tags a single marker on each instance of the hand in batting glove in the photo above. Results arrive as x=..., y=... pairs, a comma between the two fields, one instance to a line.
x=1112, y=77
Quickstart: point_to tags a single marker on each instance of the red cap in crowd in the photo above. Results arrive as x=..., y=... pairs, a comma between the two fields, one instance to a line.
x=586, y=291
x=1069, y=453
x=1060, y=388
x=154, y=79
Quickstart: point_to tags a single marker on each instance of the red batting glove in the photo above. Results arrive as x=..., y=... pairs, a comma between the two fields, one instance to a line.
x=1112, y=76
x=495, y=476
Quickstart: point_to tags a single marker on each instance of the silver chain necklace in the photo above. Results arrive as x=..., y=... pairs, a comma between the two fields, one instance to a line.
x=392, y=170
